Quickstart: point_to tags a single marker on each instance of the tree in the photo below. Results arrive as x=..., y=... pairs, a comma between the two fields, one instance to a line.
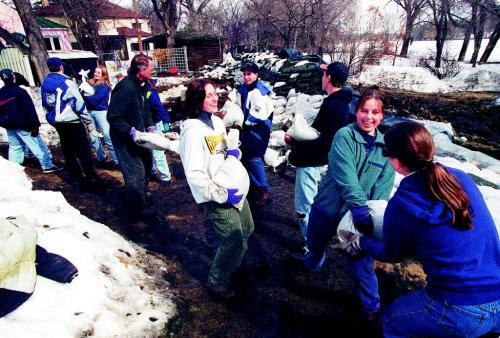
x=478, y=20
x=166, y=12
x=494, y=11
x=439, y=9
x=195, y=13
x=412, y=9
x=462, y=20
x=37, y=52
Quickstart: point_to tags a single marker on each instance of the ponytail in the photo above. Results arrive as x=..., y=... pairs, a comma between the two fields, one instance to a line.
x=445, y=188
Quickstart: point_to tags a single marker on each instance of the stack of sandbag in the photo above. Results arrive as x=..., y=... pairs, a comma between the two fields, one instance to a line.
x=302, y=75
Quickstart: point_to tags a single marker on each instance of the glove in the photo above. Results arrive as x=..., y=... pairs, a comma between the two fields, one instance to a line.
x=234, y=152
x=35, y=131
x=232, y=198
x=165, y=127
x=349, y=242
x=151, y=129
x=92, y=131
x=134, y=134
x=288, y=139
x=362, y=219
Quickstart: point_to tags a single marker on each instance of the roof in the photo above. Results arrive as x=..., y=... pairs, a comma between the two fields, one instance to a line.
x=130, y=32
x=46, y=23
x=107, y=10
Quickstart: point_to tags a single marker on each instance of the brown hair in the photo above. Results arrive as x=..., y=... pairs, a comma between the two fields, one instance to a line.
x=104, y=77
x=195, y=95
x=413, y=146
x=139, y=62
x=371, y=95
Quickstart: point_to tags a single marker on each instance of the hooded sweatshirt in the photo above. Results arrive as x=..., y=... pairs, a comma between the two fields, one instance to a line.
x=16, y=109
x=462, y=266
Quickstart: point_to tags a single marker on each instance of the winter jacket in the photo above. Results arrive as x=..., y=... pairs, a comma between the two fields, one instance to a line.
x=356, y=173
x=255, y=137
x=333, y=115
x=99, y=101
x=202, y=154
x=16, y=109
x=158, y=112
x=62, y=101
x=462, y=266
x=128, y=108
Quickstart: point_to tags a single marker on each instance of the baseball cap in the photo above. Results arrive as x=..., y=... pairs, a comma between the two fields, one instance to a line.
x=337, y=70
x=54, y=62
x=6, y=74
x=250, y=67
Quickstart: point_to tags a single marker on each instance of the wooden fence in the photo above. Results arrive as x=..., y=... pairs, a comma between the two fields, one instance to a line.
x=13, y=59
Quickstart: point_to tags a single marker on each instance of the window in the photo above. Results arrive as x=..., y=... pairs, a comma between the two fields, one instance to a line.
x=52, y=43
x=136, y=25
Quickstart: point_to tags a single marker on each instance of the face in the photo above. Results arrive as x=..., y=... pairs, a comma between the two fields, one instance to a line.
x=249, y=77
x=97, y=73
x=211, y=99
x=369, y=116
x=146, y=73
x=325, y=80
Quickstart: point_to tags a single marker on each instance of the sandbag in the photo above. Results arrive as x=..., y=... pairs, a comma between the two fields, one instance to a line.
x=233, y=138
x=233, y=175
x=301, y=131
x=153, y=141
x=377, y=209
x=234, y=114
x=86, y=89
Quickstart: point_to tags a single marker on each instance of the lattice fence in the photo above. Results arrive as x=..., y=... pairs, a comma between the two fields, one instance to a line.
x=13, y=59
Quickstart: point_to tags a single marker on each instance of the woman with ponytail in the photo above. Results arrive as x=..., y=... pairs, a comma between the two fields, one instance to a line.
x=438, y=216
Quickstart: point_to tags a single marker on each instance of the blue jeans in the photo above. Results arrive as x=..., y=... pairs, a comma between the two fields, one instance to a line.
x=102, y=125
x=21, y=139
x=306, y=187
x=256, y=172
x=416, y=314
x=160, y=160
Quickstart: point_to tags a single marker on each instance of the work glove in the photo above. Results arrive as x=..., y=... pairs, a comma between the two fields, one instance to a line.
x=362, y=219
x=349, y=242
x=234, y=152
x=165, y=127
x=232, y=198
x=135, y=134
x=92, y=131
x=35, y=131
x=151, y=129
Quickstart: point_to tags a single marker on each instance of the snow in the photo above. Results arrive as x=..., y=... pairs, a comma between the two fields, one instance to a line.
x=112, y=296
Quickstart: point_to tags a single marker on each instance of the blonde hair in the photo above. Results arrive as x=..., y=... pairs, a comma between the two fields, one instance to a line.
x=104, y=77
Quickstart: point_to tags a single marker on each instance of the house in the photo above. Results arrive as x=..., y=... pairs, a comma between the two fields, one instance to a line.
x=118, y=26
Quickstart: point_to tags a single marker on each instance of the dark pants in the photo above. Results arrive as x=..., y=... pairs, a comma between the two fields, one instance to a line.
x=135, y=163
x=76, y=149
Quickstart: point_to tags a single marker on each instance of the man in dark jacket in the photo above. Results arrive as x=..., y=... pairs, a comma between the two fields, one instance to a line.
x=311, y=157
x=18, y=116
x=128, y=115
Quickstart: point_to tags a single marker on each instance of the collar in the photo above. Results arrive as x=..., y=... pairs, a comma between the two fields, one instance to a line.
x=379, y=138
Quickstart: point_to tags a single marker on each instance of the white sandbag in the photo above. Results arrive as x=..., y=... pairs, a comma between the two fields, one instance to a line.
x=277, y=138
x=174, y=146
x=153, y=141
x=301, y=131
x=306, y=110
x=233, y=175
x=233, y=138
x=279, y=101
x=234, y=114
x=172, y=135
x=279, y=84
x=316, y=98
x=377, y=209
x=291, y=93
x=279, y=110
x=272, y=158
x=233, y=96
x=86, y=89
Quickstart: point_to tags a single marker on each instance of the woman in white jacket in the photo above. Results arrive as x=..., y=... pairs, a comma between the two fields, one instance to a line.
x=204, y=153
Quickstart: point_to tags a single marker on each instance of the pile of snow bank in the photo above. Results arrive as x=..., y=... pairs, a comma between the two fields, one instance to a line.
x=112, y=296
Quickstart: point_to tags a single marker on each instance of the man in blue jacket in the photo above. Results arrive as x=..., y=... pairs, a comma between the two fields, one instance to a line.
x=18, y=116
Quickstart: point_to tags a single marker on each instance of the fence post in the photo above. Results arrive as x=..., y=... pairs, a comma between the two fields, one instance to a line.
x=186, y=57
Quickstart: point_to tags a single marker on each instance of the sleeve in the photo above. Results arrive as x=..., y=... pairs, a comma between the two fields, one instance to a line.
x=29, y=110
x=77, y=103
x=157, y=106
x=343, y=160
x=101, y=94
x=121, y=98
x=195, y=170
x=383, y=186
x=397, y=242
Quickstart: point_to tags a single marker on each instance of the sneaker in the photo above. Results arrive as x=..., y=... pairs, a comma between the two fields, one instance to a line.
x=301, y=254
x=52, y=169
x=219, y=291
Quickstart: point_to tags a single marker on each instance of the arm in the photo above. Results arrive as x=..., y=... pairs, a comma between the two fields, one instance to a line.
x=28, y=109
x=383, y=186
x=77, y=104
x=121, y=99
x=157, y=106
x=101, y=94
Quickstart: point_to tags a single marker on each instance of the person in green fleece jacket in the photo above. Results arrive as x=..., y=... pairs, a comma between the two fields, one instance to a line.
x=357, y=172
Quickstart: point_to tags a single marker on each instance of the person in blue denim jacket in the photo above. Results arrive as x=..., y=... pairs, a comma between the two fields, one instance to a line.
x=438, y=216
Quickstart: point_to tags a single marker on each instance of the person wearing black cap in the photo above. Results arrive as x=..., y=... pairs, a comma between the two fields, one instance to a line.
x=311, y=157
x=66, y=111
x=18, y=116
x=253, y=97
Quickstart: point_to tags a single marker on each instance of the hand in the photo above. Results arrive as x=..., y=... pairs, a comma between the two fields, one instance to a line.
x=232, y=198
x=349, y=242
x=234, y=152
x=288, y=139
x=134, y=134
x=220, y=114
x=151, y=129
x=362, y=219
x=35, y=132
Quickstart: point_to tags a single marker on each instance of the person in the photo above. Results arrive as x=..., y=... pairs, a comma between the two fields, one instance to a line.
x=162, y=119
x=253, y=96
x=438, y=216
x=311, y=157
x=65, y=110
x=18, y=116
x=128, y=114
x=203, y=151
x=97, y=105
x=357, y=173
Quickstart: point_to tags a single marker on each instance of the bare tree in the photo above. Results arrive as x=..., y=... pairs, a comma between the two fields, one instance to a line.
x=37, y=52
x=166, y=11
x=413, y=9
x=195, y=13
x=439, y=9
x=478, y=20
x=493, y=9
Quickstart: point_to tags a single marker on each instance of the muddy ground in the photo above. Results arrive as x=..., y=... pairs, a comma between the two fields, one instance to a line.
x=276, y=297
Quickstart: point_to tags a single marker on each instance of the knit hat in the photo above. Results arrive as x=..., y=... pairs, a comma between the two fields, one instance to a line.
x=250, y=67
x=7, y=75
x=337, y=70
